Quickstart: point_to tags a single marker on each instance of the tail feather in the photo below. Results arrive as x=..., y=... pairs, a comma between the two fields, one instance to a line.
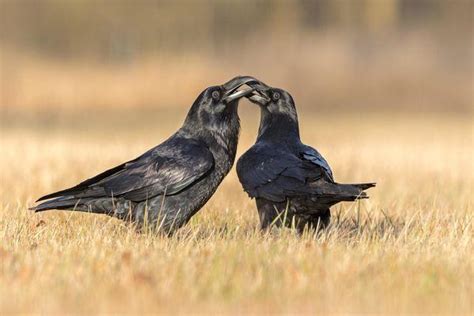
x=337, y=192
x=60, y=203
x=351, y=192
x=364, y=186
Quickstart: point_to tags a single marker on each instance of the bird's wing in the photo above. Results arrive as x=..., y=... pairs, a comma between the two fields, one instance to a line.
x=275, y=174
x=166, y=169
x=310, y=154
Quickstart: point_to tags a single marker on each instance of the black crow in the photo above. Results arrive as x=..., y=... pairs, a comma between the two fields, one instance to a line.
x=290, y=181
x=168, y=184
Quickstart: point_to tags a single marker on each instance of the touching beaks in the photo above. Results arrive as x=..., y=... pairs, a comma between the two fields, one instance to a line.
x=231, y=88
x=259, y=98
x=235, y=83
x=238, y=94
x=257, y=93
x=260, y=94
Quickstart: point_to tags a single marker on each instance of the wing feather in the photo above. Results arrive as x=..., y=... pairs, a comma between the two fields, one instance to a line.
x=167, y=169
x=275, y=174
x=316, y=158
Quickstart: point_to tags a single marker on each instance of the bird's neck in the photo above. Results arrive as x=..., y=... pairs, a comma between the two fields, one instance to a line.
x=225, y=138
x=221, y=139
x=278, y=127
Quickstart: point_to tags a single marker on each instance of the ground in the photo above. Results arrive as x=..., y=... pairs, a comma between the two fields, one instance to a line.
x=406, y=249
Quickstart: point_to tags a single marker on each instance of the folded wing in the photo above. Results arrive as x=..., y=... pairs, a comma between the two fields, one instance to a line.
x=277, y=174
x=164, y=170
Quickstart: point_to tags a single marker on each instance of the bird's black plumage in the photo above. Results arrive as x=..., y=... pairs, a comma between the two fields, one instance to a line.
x=291, y=182
x=168, y=184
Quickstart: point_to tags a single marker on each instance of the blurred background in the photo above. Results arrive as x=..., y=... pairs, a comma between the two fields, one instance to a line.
x=384, y=90
x=357, y=56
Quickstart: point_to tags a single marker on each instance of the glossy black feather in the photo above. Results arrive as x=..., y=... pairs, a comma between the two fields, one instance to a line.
x=286, y=176
x=166, y=169
x=168, y=184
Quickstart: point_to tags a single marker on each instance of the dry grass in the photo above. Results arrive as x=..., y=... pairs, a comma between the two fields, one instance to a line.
x=407, y=249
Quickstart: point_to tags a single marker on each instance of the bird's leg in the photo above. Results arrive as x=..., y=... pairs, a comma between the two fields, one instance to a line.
x=325, y=218
x=315, y=222
x=269, y=214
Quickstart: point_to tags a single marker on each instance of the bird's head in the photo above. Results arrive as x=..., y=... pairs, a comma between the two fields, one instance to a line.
x=272, y=100
x=278, y=111
x=216, y=105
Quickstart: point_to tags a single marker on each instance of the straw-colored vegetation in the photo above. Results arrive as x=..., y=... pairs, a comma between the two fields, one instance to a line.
x=407, y=249
x=384, y=91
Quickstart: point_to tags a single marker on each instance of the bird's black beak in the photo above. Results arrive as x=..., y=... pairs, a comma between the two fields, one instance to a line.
x=231, y=92
x=260, y=94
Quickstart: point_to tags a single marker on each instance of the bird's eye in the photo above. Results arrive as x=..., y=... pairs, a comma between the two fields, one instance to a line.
x=216, y=95
x=275, y=96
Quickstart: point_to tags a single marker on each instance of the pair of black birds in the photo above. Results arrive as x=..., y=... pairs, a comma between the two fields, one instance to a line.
x=291, y=182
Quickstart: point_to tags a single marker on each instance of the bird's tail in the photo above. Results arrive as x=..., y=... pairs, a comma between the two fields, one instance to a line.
x=337, y=192
x=363, y=186
x=60, y=203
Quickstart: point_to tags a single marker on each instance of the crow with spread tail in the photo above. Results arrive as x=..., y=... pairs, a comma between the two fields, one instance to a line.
x=168, y=184
x=290, y=181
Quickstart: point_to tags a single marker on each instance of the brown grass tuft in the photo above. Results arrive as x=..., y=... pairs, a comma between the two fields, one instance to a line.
x=407, y=249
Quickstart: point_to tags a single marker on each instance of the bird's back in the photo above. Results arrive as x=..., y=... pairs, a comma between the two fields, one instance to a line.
x=252, y=162
x=276, y=173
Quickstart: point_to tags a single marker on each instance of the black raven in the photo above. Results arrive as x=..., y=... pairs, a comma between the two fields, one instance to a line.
x=168, y=184
x=291, y=182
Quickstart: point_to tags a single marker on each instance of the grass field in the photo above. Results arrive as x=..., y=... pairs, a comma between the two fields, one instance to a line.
x=384, y=90
x=407, y=249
